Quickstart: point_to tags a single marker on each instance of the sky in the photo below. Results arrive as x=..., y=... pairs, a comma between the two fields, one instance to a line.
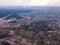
x=29, y=2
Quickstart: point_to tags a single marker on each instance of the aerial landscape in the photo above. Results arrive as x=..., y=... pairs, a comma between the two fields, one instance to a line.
x=30, y=26
x=30, y=22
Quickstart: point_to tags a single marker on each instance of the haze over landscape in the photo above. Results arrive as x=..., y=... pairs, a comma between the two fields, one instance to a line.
x=29, y=2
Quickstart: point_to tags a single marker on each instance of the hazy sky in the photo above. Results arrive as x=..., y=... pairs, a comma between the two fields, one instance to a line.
x=30, y=2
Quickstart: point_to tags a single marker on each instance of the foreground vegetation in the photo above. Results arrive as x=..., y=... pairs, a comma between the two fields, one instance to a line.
x=37, y=33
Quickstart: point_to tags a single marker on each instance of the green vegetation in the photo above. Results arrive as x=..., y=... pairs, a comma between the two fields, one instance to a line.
x=3, y=33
